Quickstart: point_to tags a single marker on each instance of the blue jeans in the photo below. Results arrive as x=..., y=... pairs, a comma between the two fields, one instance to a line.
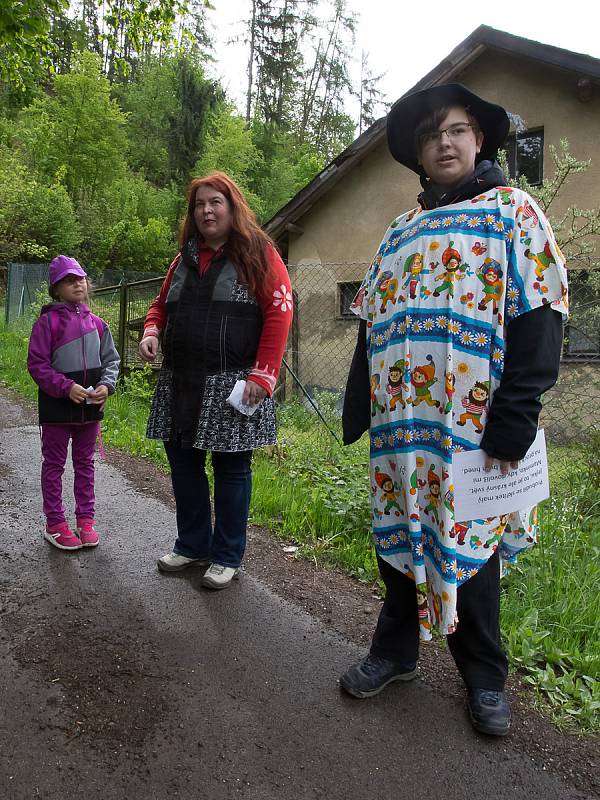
x=232, y=491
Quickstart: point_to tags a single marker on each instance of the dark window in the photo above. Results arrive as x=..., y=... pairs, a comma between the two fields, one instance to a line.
x=525, y=155
x=582, y=332
x=347, y=292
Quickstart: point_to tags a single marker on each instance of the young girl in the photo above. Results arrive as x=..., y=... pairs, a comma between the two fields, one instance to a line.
x=73, y=360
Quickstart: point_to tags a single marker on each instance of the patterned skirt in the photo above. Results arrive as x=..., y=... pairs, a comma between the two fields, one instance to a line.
x=220, y=426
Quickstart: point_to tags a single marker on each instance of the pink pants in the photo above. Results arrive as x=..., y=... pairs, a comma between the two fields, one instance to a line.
x=55, y=443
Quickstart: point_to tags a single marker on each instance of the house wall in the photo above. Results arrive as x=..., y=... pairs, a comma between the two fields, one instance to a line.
x=346, y=225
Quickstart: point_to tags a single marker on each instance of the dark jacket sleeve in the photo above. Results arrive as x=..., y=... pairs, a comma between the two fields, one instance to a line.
x=531, y=365
x=356, y=415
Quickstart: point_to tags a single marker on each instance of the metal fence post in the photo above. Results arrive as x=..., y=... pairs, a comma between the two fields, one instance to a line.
x=8, y=290
x=123, y=301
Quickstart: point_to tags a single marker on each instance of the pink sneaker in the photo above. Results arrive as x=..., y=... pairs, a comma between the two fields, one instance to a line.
x=86, y=532
x=61, y=536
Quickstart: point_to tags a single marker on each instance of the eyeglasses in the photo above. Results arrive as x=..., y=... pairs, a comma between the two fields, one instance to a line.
x=454, y=132
x=72, y=279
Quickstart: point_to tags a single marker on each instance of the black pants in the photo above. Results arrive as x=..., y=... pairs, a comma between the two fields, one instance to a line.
x=475, y=646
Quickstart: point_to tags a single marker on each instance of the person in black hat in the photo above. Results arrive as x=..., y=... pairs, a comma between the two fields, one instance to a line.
x=441, y=572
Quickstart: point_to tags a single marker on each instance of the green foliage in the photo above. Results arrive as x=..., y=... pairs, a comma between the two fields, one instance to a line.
x=131, y=246
x=78, y=133
x=196, y=97
x=229, y=147
x=168, y=107
x=36, y=220
x=144, y=216
x=24, y=40
x=551, y=608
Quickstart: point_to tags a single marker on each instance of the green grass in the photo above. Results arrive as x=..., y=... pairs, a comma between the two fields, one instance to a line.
x=310, y=491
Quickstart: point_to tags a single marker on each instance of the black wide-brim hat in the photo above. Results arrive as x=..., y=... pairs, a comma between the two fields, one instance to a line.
x=409, y=111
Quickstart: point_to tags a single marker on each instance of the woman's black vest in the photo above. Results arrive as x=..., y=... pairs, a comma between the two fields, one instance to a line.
x=214, y=325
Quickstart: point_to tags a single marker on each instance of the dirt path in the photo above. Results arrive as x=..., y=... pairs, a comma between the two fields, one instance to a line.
x=119, y=682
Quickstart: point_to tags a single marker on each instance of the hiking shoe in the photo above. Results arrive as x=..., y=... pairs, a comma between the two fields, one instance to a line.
x=61, y=536
x=219, y=577
x=369, y=676
x=87, y=533
x=173, y=562
x=489, y=711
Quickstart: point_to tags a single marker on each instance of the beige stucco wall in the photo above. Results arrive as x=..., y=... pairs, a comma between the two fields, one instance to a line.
x=347, y=224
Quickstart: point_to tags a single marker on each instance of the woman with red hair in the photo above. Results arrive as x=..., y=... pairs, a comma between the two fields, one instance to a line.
x=222, y=316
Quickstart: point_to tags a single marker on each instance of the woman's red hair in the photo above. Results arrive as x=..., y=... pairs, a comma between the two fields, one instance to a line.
x=247, y=244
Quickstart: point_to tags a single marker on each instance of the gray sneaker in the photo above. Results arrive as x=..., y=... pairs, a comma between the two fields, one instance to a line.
x=219, y=577
x=173, y=562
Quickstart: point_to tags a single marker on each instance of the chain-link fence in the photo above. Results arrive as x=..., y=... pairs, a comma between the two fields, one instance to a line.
x=323, y=337
x=27, y=283
x=24, y=282
x=124, y=307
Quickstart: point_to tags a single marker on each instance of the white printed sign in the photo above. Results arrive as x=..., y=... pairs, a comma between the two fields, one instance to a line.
x=479, y=494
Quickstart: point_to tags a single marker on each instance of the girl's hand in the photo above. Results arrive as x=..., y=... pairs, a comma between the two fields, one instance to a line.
x=149, y=348
x=505, y=466
x=253, y=394
x=99, y=395
x=77, y=393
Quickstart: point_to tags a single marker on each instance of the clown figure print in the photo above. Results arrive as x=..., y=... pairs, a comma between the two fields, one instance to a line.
x=396, y=385
x=454, y=271
x=422, y=606
x=423, y=378
x=449, y=381
x=389, y=493
x=375, y=404
x=387, y=286
x=475, y=405
x=413, y=271
x=542, y=260
x=433, y=496
x=490, y=274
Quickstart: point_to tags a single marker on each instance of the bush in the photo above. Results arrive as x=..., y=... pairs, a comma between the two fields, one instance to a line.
x=36, y=221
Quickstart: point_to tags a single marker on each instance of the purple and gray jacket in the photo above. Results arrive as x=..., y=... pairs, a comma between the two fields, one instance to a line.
x=69, y=344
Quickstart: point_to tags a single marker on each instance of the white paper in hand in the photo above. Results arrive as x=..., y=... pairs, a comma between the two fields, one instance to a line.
x=479, y=494
x=88, y=400
x=235, y=400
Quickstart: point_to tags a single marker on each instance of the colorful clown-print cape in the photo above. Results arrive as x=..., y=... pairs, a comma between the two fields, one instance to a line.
x=437, y=298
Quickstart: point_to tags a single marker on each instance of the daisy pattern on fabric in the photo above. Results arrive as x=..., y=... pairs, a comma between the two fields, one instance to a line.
x=282, y=297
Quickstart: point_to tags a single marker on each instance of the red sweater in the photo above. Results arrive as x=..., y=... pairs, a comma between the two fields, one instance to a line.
x=275, y=300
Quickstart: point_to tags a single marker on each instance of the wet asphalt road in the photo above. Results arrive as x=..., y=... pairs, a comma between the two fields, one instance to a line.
x=119, y=682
